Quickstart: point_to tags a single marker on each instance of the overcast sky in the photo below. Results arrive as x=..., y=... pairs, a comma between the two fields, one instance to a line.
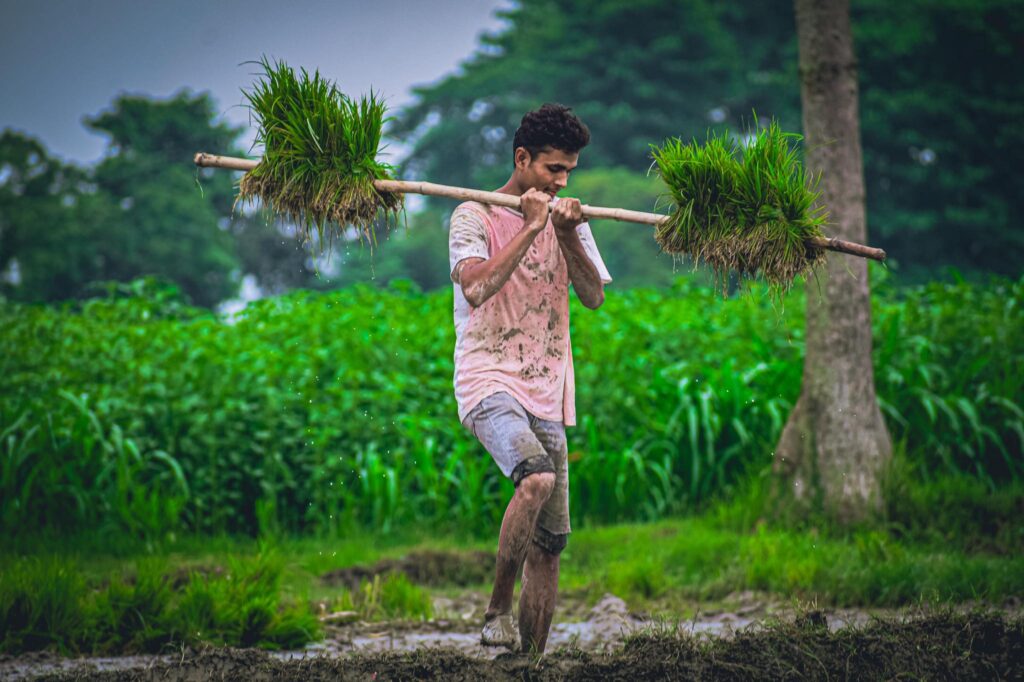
x=61, y=60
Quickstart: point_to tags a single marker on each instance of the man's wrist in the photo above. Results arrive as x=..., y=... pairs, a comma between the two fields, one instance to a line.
x=536, y=225
x=566, y=232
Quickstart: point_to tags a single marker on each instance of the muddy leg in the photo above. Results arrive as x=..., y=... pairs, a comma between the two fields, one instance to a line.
x=516, y=532
x=537, y=598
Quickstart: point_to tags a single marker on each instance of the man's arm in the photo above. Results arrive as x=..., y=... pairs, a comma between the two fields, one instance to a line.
x=586, y=280
x=480, y=279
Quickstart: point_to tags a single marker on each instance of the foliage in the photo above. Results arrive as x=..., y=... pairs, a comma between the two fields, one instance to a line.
x=663, y=68
x=938, y=105
x=47, y=601
x=141, y=210
x=198, y=591
x=749, y=216
x=939, y=112
x=694, y=559
x=319, y=152
x=322, y=412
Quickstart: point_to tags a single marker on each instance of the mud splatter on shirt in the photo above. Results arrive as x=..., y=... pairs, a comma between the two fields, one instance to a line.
x=518, y=340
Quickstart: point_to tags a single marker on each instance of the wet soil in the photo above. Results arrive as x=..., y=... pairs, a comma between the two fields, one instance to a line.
x=942, y=645
x=607, y=642
x=747, y=635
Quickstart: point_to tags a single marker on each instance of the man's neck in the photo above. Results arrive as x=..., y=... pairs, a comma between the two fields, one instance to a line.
x=511, y=187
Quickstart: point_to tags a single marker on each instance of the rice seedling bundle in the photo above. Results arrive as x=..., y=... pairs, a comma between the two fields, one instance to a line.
x=320, y=152
x=750, y=211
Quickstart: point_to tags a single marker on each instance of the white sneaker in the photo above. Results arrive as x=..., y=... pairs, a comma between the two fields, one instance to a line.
x=500, y=631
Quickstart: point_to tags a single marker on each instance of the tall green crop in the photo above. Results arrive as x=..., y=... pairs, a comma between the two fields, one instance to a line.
x=321, y=412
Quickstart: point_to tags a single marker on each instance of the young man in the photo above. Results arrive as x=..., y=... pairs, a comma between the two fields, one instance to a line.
x=513, y=358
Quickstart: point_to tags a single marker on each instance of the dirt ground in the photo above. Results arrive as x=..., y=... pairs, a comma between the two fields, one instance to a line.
x=610, y=644
x=747, y=636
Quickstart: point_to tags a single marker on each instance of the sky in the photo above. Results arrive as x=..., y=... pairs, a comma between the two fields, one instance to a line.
x=62, y=60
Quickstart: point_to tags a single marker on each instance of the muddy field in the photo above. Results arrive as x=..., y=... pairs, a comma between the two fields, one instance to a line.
x=811, y=645
x=747, y=636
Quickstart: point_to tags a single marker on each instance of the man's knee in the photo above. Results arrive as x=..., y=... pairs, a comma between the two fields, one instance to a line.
x=549, y=542
x=537, y=473
x=538, y=485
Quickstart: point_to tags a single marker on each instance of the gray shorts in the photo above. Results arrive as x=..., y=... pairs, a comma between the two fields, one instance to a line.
x=521, y=444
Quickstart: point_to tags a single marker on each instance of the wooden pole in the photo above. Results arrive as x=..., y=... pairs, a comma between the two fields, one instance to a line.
x=204, y=160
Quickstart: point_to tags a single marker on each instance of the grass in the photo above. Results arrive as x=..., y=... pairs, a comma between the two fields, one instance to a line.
x=91, y=594
x=746, y=211
x=319, y=153
x=46, y=601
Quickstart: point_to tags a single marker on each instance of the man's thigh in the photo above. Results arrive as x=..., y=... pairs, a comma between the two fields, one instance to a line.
x=554, y=515
x=504, y=428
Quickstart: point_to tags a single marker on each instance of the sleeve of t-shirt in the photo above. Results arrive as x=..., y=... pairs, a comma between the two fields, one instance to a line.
x=590, y=247
x=467, y=237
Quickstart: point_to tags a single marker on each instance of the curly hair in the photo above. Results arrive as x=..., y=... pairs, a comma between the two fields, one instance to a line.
x=554, y=126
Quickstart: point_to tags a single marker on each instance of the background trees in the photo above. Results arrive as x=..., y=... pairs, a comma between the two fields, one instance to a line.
x=940, y=106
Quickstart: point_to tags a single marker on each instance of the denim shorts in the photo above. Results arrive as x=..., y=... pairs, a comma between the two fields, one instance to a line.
x=522, y=444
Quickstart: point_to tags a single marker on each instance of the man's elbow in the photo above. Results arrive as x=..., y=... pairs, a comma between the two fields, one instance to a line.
x=473, y=295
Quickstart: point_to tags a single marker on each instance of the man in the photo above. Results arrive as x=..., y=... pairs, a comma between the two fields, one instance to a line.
x=513, y=358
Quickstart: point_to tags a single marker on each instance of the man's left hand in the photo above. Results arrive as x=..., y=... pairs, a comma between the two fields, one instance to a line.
x=566, y=215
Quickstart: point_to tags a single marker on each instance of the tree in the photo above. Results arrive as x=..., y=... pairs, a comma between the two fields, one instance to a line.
x=166, y=226
x=635, y=72
x=49, y=213
x=941, y=113
x=835, y=444
x=142, y=210
x=941, y=105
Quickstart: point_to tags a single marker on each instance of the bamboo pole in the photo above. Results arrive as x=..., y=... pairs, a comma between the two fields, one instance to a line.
x=204, y=160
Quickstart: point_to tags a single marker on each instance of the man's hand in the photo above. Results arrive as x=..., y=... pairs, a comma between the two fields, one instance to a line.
x=534, y=205
x=566, y=216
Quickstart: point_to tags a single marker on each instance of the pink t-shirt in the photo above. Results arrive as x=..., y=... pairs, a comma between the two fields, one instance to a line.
x=518, y=340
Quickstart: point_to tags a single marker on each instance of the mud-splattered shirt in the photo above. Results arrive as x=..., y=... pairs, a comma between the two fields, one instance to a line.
x=518, y=340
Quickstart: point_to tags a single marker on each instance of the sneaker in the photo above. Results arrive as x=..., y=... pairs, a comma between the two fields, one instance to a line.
x=500, y=631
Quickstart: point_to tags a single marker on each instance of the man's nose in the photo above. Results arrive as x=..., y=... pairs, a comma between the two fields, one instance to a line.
x=561, y=181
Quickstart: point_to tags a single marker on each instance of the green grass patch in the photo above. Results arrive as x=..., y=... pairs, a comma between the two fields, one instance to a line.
x=238, y=592
x=46, y=601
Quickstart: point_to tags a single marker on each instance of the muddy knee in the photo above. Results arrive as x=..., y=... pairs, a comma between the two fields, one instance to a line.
x=535, y=476
x=551, y=543
x=537, y=486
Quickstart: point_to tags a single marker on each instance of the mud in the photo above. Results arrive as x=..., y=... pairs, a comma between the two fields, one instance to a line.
x=940, y=645
x=428, y=568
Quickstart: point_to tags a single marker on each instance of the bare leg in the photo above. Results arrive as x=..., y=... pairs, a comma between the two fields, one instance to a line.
x=537, y=598
x=516, y=532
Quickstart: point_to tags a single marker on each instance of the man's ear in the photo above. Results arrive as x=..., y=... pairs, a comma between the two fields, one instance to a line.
x=522, y=157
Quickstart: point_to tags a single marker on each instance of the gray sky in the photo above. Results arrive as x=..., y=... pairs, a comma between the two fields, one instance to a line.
x=61, y=60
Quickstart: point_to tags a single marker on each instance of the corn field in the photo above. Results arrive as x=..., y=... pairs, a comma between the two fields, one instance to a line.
x=316, y=413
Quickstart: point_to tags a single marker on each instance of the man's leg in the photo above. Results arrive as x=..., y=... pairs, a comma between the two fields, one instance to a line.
x=540, y=572
x=515, y=537
x=537, y=598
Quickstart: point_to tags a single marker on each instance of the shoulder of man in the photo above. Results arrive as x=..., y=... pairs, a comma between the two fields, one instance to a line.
x=472, y=208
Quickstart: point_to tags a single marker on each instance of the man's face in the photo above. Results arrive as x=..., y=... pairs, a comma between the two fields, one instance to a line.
x=547, y=171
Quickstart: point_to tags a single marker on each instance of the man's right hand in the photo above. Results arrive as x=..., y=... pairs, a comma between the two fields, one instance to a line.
x=534, y=205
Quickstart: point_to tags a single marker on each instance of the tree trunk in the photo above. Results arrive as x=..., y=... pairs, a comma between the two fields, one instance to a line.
x=835, y=444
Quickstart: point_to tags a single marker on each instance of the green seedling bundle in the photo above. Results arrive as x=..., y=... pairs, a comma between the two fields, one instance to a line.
x=752, y=211
x=320, y=152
